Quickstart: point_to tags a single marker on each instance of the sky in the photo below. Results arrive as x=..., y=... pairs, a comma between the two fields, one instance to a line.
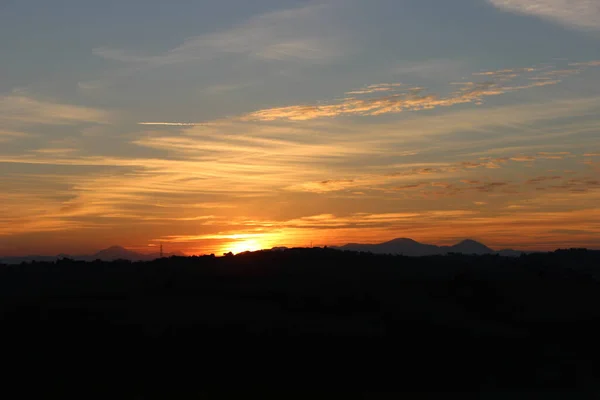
x=232, y=125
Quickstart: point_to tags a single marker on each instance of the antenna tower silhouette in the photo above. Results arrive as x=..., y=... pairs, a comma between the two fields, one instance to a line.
x=161, y=251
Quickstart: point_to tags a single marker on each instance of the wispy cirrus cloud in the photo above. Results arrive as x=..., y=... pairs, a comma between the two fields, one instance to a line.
x=6, y=135
x=426, y=226
x=158, y=192
x=330, y=185
x=302, y=34
x=544, y=155
x=428, y=68
x=219, y=89
x=579, y=185
x=169, y=123
x=319, y=222
x=20, y=113
x=18, y=109
x=542, y=179
x=586, y=64
x=581, y=14
x=397, y=98
x=228, y=163
x=412, y=100
x=390, y=98
x=408, y=178
x=56, y=151
x=377, y=88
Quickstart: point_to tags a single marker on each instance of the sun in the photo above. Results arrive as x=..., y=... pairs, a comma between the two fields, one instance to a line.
x=246, y=245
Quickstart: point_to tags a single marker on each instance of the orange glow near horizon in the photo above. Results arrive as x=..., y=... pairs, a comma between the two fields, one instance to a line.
x=376, y=164
x=243, y=246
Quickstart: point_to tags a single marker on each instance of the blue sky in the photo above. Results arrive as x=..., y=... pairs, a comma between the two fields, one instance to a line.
x=247, y=124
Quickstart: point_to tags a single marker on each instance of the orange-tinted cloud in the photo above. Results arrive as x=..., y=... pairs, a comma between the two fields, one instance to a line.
x=399, y=98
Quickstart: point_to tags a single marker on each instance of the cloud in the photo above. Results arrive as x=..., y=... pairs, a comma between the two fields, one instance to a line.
x=6, y=135
x=425, y=226
x=580, y=14
x=170, y=123
x=20, y=113
x=562, y=72
x=321, y=222
x=56, y=151
x=209, y=165
x=410, y=186
x=155, y=193
x=388, y=182
x=217, y=159
x=541, y=155
x=213, y=163
x=410, y=100
x=21, y=110
x=592, y=164
x=429, y=68
x=516, y=118
x=330, y=185
x=398, y=98
x=502, y=73
x=541, y=179
x=578, y=185
x=377, y=88
x=219, y=89
x=586, y=64
x=311, y=50
x=444, y=190
x=523, y=158
x=304, y=34
x=485, y=163
x=553, y=155
x=490, y=186
x=482, y=162
x=236, y=166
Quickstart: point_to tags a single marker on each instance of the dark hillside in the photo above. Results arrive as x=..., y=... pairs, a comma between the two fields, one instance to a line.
x=302, y=320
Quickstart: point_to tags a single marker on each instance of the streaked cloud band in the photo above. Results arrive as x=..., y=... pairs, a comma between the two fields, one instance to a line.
x=582, y=14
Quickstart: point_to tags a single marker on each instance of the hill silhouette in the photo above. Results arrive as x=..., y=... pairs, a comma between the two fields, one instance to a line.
x=116, y=253
x=109, y=254
x=297, y=320
x=412, y=248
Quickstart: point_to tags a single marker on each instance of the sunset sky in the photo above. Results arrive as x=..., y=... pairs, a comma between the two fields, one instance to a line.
x=211, y=126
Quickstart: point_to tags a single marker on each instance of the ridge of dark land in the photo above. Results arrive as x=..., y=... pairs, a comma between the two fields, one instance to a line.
x=304, y=320
x=399, y=246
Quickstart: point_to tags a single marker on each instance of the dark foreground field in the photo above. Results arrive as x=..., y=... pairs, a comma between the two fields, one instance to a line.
x=303, y=321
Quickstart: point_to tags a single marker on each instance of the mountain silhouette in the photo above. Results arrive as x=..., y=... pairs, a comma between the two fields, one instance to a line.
x=117, y=253
x=470, y=247
x=412, y=248
x=109, y=254
x=399, y=246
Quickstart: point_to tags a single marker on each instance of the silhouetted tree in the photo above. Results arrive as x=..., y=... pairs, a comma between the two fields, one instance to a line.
x=309, y=318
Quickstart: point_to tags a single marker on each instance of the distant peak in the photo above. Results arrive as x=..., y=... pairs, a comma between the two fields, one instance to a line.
x=469, y=241
x=114, y=250
x=402, y=240
x=470, y=245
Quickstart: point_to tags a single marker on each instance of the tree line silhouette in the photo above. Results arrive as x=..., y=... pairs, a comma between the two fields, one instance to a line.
x=306, y=319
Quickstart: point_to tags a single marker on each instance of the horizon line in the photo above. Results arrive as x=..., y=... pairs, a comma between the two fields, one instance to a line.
x=133, y=249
